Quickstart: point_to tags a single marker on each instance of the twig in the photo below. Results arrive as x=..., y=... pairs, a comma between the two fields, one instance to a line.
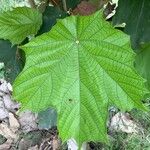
x=55, y=3
x=64, y=5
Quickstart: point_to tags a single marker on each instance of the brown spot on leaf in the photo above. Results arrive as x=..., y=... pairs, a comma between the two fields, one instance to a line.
x=70, y=100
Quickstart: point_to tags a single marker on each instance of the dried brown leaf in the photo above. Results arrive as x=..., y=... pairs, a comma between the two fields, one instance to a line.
x=14, y=124
x=123, y=122
x=85, y=8
x=28, y=121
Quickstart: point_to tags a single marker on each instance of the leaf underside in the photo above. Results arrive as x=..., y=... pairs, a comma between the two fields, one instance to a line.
x=80, y=67
x=19, y=23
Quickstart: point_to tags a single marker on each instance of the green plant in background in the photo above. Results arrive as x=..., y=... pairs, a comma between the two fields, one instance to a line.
x=137, y=24
x=19, y=23
x=80, y=68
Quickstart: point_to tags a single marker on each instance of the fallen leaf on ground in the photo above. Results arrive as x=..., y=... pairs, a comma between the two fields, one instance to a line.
x=10, y=104
x=3, y=87
x=6, y=103
x=14, y=124
x=56, y=143
x=34, y=148
x=28, y=121
x=85, y=8
x=123, y=122
x=3, y=111
x=7, y=132
x=24, y=144
x=9, y=86
x=7, y=145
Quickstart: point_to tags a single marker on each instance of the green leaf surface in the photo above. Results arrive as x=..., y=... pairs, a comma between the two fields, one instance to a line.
x=12, y=58
x=136, y=15
x=19, y=23
x=80, y=67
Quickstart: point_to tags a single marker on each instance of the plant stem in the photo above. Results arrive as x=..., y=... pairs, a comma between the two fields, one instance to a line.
x=64, y=5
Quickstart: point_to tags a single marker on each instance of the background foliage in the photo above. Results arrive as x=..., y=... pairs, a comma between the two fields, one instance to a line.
x=136, y=16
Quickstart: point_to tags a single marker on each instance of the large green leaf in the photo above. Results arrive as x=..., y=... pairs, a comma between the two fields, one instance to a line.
x=136, y=15
x=80, y=67
x=19, y=23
